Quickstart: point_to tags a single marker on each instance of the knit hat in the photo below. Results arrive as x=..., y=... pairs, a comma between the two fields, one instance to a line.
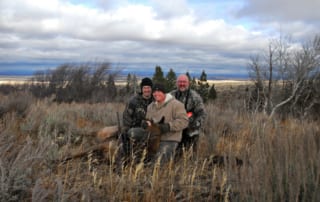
x=158, y=87
x=146, y=82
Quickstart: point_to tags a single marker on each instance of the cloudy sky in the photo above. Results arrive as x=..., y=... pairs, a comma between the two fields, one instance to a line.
x=217, y=36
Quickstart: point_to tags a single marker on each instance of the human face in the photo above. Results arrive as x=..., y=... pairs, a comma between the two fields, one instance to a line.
x=183, y=83
x=146, y=91
x=159, y=96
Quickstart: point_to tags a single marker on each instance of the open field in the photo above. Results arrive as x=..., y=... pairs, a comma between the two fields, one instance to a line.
x=229, y=82
x=12, y=80
x=280, y=157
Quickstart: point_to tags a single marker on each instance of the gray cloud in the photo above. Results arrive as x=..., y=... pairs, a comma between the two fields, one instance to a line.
x=170, y=9
x=171, y=34
x=300, y=19
x=284, y=10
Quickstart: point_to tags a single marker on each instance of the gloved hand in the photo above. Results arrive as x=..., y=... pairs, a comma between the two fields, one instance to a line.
x=144, y=124
x=164, y=127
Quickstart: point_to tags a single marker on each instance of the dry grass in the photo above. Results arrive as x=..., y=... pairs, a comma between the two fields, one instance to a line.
x=280, y=158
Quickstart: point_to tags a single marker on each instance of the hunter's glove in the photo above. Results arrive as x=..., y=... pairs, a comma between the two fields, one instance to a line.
x=164, y=128
x=144, y=124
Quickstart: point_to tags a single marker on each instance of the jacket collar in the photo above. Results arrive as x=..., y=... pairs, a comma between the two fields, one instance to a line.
x=169, y=97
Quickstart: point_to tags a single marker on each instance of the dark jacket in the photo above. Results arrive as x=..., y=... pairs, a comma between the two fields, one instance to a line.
x=193, y=103
x=135, y=111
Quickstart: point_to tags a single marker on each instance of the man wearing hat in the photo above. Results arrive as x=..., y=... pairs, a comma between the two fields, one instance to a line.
x=136, y=108
x=175, y=120
x=135, y=112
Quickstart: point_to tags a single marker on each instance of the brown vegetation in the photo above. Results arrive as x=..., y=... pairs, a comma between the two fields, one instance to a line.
x=107, y=143
x=280, y=156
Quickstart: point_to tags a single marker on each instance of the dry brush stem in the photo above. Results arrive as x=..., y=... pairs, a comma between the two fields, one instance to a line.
x=281, y=162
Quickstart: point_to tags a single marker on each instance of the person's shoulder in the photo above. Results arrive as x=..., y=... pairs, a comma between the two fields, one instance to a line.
x=177, y=105
x=151, y=106
x=194, y=93
x=135, y=98
x=195, y=96
x=173, y=91
x=176, y=101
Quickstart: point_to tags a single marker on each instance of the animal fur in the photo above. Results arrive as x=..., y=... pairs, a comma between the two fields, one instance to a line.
x=108, y=143
x=107, y=132
x=154, y=136
x=154, y=139
x=110, y=147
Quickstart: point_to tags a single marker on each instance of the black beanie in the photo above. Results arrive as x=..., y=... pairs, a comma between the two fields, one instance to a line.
x=158, y=87
x=146, y=82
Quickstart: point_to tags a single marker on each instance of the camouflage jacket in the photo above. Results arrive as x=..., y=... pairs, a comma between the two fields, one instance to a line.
x=135, y=111
x=193, y=103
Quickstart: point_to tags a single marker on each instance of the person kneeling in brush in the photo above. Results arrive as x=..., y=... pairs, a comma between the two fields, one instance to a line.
x=133, y=115
x=175, y=120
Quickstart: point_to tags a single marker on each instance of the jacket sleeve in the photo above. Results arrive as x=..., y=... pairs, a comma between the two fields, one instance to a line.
x=180, y=119
x=199, y=112
x=128, y=114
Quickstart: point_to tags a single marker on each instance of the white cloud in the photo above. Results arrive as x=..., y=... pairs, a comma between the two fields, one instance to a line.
x=155, y=32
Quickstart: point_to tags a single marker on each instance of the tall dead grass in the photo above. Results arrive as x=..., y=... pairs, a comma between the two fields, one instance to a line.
x=280, y=158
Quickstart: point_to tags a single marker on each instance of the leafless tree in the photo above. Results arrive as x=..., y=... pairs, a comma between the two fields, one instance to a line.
x=99, y=74
x=297, y=67
x=75, y=82
x=257, y=98
x=98, y=82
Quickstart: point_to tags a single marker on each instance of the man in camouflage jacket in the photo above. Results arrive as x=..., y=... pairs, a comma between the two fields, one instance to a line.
x=194, y=106
x=136, y=108
x=135, y=112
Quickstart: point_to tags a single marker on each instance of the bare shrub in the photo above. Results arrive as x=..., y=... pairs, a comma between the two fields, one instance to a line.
x=20, y=161
x=91, y=82
x=6, y=89
x=283, y=77
x=16, y=102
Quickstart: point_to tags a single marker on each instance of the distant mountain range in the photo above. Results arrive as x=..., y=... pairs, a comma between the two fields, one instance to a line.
x=150, y=73
x=139, y=72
